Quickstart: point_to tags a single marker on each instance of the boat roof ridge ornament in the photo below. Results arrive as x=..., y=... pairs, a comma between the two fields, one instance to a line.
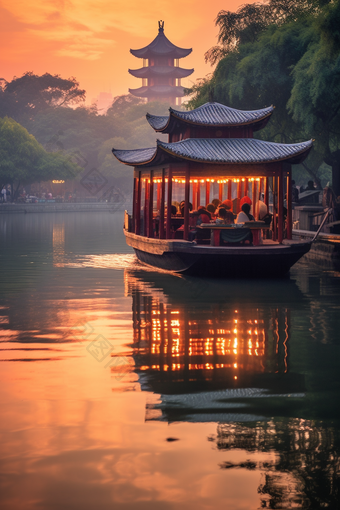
x=161, y=26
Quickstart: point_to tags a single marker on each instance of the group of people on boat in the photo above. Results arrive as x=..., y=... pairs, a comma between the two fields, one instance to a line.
x=221, y=212
x=218, y=213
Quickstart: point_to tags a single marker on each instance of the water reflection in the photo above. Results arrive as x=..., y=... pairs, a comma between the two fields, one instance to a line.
x=73, y=431
x=208, y=351
x=306, y=467
x=58, y=244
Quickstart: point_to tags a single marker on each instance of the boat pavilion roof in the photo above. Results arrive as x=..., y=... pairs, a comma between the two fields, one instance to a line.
x=161, y=71
x=220, y=151
x=211, y=114
x=161, y=47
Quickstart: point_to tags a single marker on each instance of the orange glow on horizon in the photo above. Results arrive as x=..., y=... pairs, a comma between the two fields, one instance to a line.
x=92, y=41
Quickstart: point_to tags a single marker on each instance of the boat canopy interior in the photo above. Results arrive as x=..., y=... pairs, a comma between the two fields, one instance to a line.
x=165, y=199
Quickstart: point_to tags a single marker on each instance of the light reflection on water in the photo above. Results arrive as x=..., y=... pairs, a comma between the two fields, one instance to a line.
x=164, y=391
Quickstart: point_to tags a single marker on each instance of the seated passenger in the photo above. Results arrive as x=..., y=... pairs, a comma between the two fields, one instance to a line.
x=181, y=207
x=262, y=210
x=176, y=204
x=216, y=202
x=224, y=217
x=245, y=200
x=244, y=215
x=227, y=204
x=211, y=208
x=203, y=214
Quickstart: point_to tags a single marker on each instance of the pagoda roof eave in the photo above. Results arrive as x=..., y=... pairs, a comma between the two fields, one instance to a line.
x=212, y=115
x=164, y=71
x=161, y=47
x=147, y=53
x=158, y=90
x=218, y=151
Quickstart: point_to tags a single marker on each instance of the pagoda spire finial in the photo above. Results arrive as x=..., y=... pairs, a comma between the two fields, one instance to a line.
x=161, y=26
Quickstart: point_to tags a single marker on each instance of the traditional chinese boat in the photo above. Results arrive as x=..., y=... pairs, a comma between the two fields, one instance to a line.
x=211, y=153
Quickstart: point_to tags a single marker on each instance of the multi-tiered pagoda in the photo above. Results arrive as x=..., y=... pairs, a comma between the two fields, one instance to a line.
x=160, y=73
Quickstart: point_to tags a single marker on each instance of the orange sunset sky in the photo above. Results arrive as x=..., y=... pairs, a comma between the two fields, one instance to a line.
x=91, y=39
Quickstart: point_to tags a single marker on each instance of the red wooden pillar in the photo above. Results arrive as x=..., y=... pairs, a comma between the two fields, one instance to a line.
x=253, y=192
x=238, y=194
x=168, y=208
x=274, y=208
x=266, y=192
x=239, y=188
x=194, y=196
x=150, y=211
x=246, y=187
x=289, y=204
x=159, y=196
x=220, y=191
x=280, y=207
x=186, y=203
x=207, y=193
x=230, y=182
x=146, y=208
x=134, y=203
x=162, y=206
x=138, y=203
x=198, y=194
x=255, y=197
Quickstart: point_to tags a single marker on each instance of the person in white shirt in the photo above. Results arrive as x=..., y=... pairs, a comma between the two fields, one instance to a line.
x=244, y=215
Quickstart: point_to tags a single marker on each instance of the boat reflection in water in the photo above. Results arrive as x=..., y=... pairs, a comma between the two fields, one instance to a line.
x=205, y=346
x=220, y=352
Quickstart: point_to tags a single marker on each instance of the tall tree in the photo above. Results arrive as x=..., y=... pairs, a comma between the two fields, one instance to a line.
x=250, y=20
x=295, y=66
x=315, y=95
x=30, y=94
x=23, y=160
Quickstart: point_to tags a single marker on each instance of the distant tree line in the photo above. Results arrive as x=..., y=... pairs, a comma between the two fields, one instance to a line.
x=284, y=53
x=47, y=113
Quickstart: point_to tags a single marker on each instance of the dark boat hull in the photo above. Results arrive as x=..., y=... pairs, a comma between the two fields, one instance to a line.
x=265, y=261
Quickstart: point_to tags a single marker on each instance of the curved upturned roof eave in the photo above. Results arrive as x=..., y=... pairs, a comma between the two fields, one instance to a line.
x=164, y=71
x=291, y=153
x=158, y=90
x=161, y=46
x=257, y=118
x=146, y=156
x=294, y=157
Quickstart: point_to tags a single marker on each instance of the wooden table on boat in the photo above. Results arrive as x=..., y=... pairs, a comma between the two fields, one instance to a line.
x=216, y=228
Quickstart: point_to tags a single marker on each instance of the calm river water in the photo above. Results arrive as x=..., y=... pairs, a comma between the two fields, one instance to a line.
x=126, y=388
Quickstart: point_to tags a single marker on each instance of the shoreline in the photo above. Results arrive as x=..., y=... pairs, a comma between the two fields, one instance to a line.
x=10, y=208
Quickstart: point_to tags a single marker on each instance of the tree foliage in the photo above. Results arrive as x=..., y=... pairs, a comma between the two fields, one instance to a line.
x=23, y=160
x=250, y=20
x=294, y=64
x=30, y=94
x=51, y=108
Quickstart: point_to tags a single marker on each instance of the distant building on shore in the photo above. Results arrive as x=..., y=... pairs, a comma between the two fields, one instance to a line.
x=161, y=74
x=103, y=102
